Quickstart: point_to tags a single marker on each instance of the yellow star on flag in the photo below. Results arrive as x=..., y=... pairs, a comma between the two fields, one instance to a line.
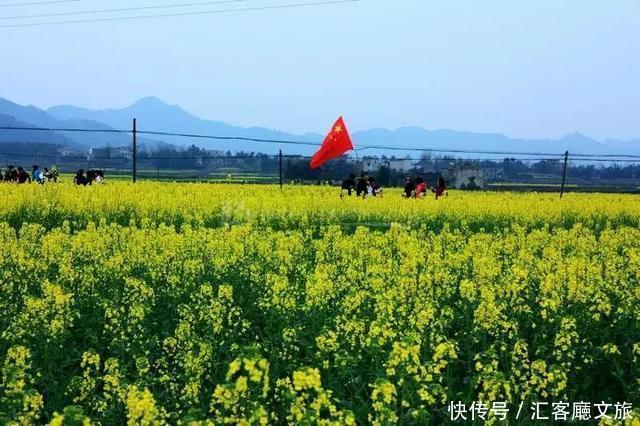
x=338, y=129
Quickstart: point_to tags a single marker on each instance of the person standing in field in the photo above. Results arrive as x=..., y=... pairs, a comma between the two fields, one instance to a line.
x=409, y=188
x=23, y=177
x=50, y=175
x=98, y=177
x=80, y=178
x=421, y=187
x=37, y=175
x=348, y=185
x=53, y=174
x=440, y=189
x=10, y=175
x=376, y=189
x=361, y=186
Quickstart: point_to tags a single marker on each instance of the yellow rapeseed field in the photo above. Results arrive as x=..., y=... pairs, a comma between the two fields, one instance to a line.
x=213, y=205
x=161, y=303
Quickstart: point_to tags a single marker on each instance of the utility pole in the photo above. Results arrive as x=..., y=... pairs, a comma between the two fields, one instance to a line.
x=280, y=167
x=134, y=152
x=564, y=172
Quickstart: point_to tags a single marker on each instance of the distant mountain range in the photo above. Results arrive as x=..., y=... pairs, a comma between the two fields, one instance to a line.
x=14, y=115
x=155, y=115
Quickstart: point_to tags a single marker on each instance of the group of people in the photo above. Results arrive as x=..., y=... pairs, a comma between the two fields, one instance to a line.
x=92, y=176
x=365, y=186
x=418, y=188
x=19, y=175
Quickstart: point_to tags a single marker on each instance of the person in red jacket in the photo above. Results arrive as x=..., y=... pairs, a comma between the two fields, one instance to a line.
x=421, y=187
x=440, y=189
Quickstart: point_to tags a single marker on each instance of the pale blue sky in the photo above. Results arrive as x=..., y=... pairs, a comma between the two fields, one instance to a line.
x=530, y=68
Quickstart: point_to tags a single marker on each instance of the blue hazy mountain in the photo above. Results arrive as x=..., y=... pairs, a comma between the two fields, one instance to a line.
x=617, y=145
x=155, y=115
x=27, y=136
x=416, y=137
x=15, y=115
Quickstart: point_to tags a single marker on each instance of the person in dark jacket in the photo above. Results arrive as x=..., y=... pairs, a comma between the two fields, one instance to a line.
x=10, y=175
x=374, y=190
x=361, y=186
x=349, y=184
x=95, y=176
x=409, y=188
x=23, y=177
x=80, y=178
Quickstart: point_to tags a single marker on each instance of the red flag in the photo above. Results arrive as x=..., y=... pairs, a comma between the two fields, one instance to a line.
x=335, y=144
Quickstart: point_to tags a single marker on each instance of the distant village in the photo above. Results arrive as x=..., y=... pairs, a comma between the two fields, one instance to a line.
x=171, y=162
x=461, y=174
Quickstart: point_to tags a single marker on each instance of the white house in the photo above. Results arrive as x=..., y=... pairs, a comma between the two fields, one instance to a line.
x=371, y=164
x=464, y=175
x=401, y=164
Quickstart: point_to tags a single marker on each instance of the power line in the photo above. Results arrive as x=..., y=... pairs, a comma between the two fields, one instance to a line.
x=184, y=135
x=457, y=151
x=605, y=160
x=198, y=136
x=68, y=157
x=288, y=156
x=90, y=158
x=49, y=129
x=38, y=3
x=141, y=158
x=226, y=157
x=226, y=138
x=605, y=155
x=539, y=156
x=446, y=159
x=123, y=9
x=462, y=151
x=166, y=15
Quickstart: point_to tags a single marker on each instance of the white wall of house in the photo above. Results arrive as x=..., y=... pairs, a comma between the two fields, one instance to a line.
x=401, y=165
x=461, y=176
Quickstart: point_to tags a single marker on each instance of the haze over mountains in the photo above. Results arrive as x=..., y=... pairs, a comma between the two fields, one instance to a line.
x=155, y=115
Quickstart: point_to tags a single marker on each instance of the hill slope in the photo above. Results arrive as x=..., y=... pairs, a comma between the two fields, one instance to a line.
x=16, y=115
x=154, y=114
